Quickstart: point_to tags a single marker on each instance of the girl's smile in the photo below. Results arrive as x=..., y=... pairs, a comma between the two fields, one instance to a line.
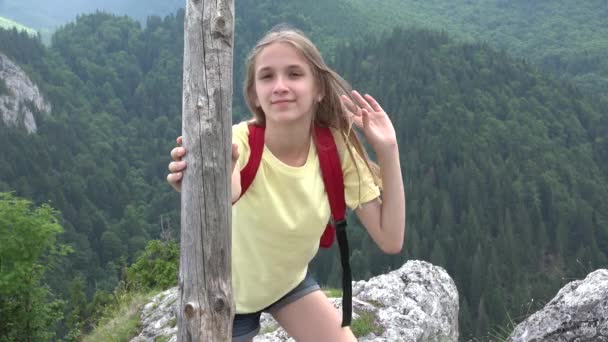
x=279, y=102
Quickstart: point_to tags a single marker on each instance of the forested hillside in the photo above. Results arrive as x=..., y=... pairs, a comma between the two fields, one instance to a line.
x=505, y=168
x=100, y=157
x=567, y=38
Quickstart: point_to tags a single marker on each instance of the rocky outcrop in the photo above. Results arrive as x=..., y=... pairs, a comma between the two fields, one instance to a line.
x=159, y=317
x=579, y=312
x=19, y=97
x=418, y=302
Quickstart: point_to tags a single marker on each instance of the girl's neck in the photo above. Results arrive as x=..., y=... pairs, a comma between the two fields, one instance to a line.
x=289, y=143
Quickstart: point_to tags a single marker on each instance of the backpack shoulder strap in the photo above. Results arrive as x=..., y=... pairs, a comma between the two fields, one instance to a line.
x=331, y=170
x=256, y=146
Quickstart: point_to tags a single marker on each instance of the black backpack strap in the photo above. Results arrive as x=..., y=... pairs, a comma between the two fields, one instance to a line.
x=347, y=286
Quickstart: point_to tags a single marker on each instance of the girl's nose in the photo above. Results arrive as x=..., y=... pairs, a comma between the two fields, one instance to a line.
x=279, y=85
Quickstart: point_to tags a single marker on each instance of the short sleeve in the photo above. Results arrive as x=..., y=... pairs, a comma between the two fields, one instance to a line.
x=359, y=183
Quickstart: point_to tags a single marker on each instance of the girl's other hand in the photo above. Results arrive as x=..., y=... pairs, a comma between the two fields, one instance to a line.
x=177, y=166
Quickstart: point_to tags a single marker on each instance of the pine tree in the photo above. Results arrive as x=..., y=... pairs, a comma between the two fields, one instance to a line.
x=76, y=310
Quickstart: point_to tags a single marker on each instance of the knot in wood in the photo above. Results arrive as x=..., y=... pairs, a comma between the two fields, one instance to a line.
x=221, y=27
x=219, y=304
x=190, y=309
x=220, y=24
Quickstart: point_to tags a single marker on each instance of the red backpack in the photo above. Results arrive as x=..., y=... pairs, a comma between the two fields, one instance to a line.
x=331, y=171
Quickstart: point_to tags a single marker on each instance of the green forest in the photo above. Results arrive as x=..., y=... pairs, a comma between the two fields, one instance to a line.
x=563, y=37
x=505, y=158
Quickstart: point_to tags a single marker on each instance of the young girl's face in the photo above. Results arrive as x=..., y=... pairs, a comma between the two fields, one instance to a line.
x=284, y=84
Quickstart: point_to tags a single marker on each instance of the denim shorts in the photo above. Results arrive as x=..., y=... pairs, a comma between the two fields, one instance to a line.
x=246, y=326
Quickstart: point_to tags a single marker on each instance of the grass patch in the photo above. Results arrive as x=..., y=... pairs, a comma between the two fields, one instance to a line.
x=332, y=292
x=173, y=322
x=502, y=333
x=366, y=324
x=269, y=328
x=8, y=24
x=376, y=303
x=122, y=322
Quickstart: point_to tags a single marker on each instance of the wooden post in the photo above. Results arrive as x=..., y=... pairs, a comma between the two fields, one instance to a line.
x=205, y=280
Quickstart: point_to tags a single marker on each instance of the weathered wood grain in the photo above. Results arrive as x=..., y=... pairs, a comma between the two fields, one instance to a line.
x=206, y=304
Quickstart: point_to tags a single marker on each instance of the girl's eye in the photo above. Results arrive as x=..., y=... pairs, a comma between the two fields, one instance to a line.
x=295, y=74
x=265, y=77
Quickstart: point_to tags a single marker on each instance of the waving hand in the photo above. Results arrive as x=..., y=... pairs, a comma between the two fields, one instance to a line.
x=373, y=121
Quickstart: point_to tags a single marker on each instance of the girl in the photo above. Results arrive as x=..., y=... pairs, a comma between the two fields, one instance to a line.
x=289, y=88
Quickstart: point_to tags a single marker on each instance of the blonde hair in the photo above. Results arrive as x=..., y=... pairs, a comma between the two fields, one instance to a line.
x=329, y=111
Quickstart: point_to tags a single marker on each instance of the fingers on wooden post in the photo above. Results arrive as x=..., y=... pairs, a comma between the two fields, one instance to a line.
x=235, y=152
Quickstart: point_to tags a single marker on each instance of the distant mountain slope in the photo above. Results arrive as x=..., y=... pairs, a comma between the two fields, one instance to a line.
x=8, y=24
x=569, y=38
x=19, y=97
x=565, y=37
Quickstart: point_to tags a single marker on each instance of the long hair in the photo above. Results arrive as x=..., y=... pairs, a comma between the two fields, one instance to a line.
x=329, y=112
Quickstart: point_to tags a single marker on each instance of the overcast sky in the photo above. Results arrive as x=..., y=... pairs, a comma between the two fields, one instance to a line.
x=48, y=14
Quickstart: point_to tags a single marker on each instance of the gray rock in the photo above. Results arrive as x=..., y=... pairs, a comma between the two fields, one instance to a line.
x=23, y=95
x=418, y=302
x=579, y=312
x=159, y=318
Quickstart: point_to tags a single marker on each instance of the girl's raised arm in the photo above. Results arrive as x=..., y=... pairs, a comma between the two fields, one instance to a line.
x=384, y=219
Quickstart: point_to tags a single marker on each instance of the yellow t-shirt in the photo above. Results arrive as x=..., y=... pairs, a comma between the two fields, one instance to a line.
x=277, y=224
